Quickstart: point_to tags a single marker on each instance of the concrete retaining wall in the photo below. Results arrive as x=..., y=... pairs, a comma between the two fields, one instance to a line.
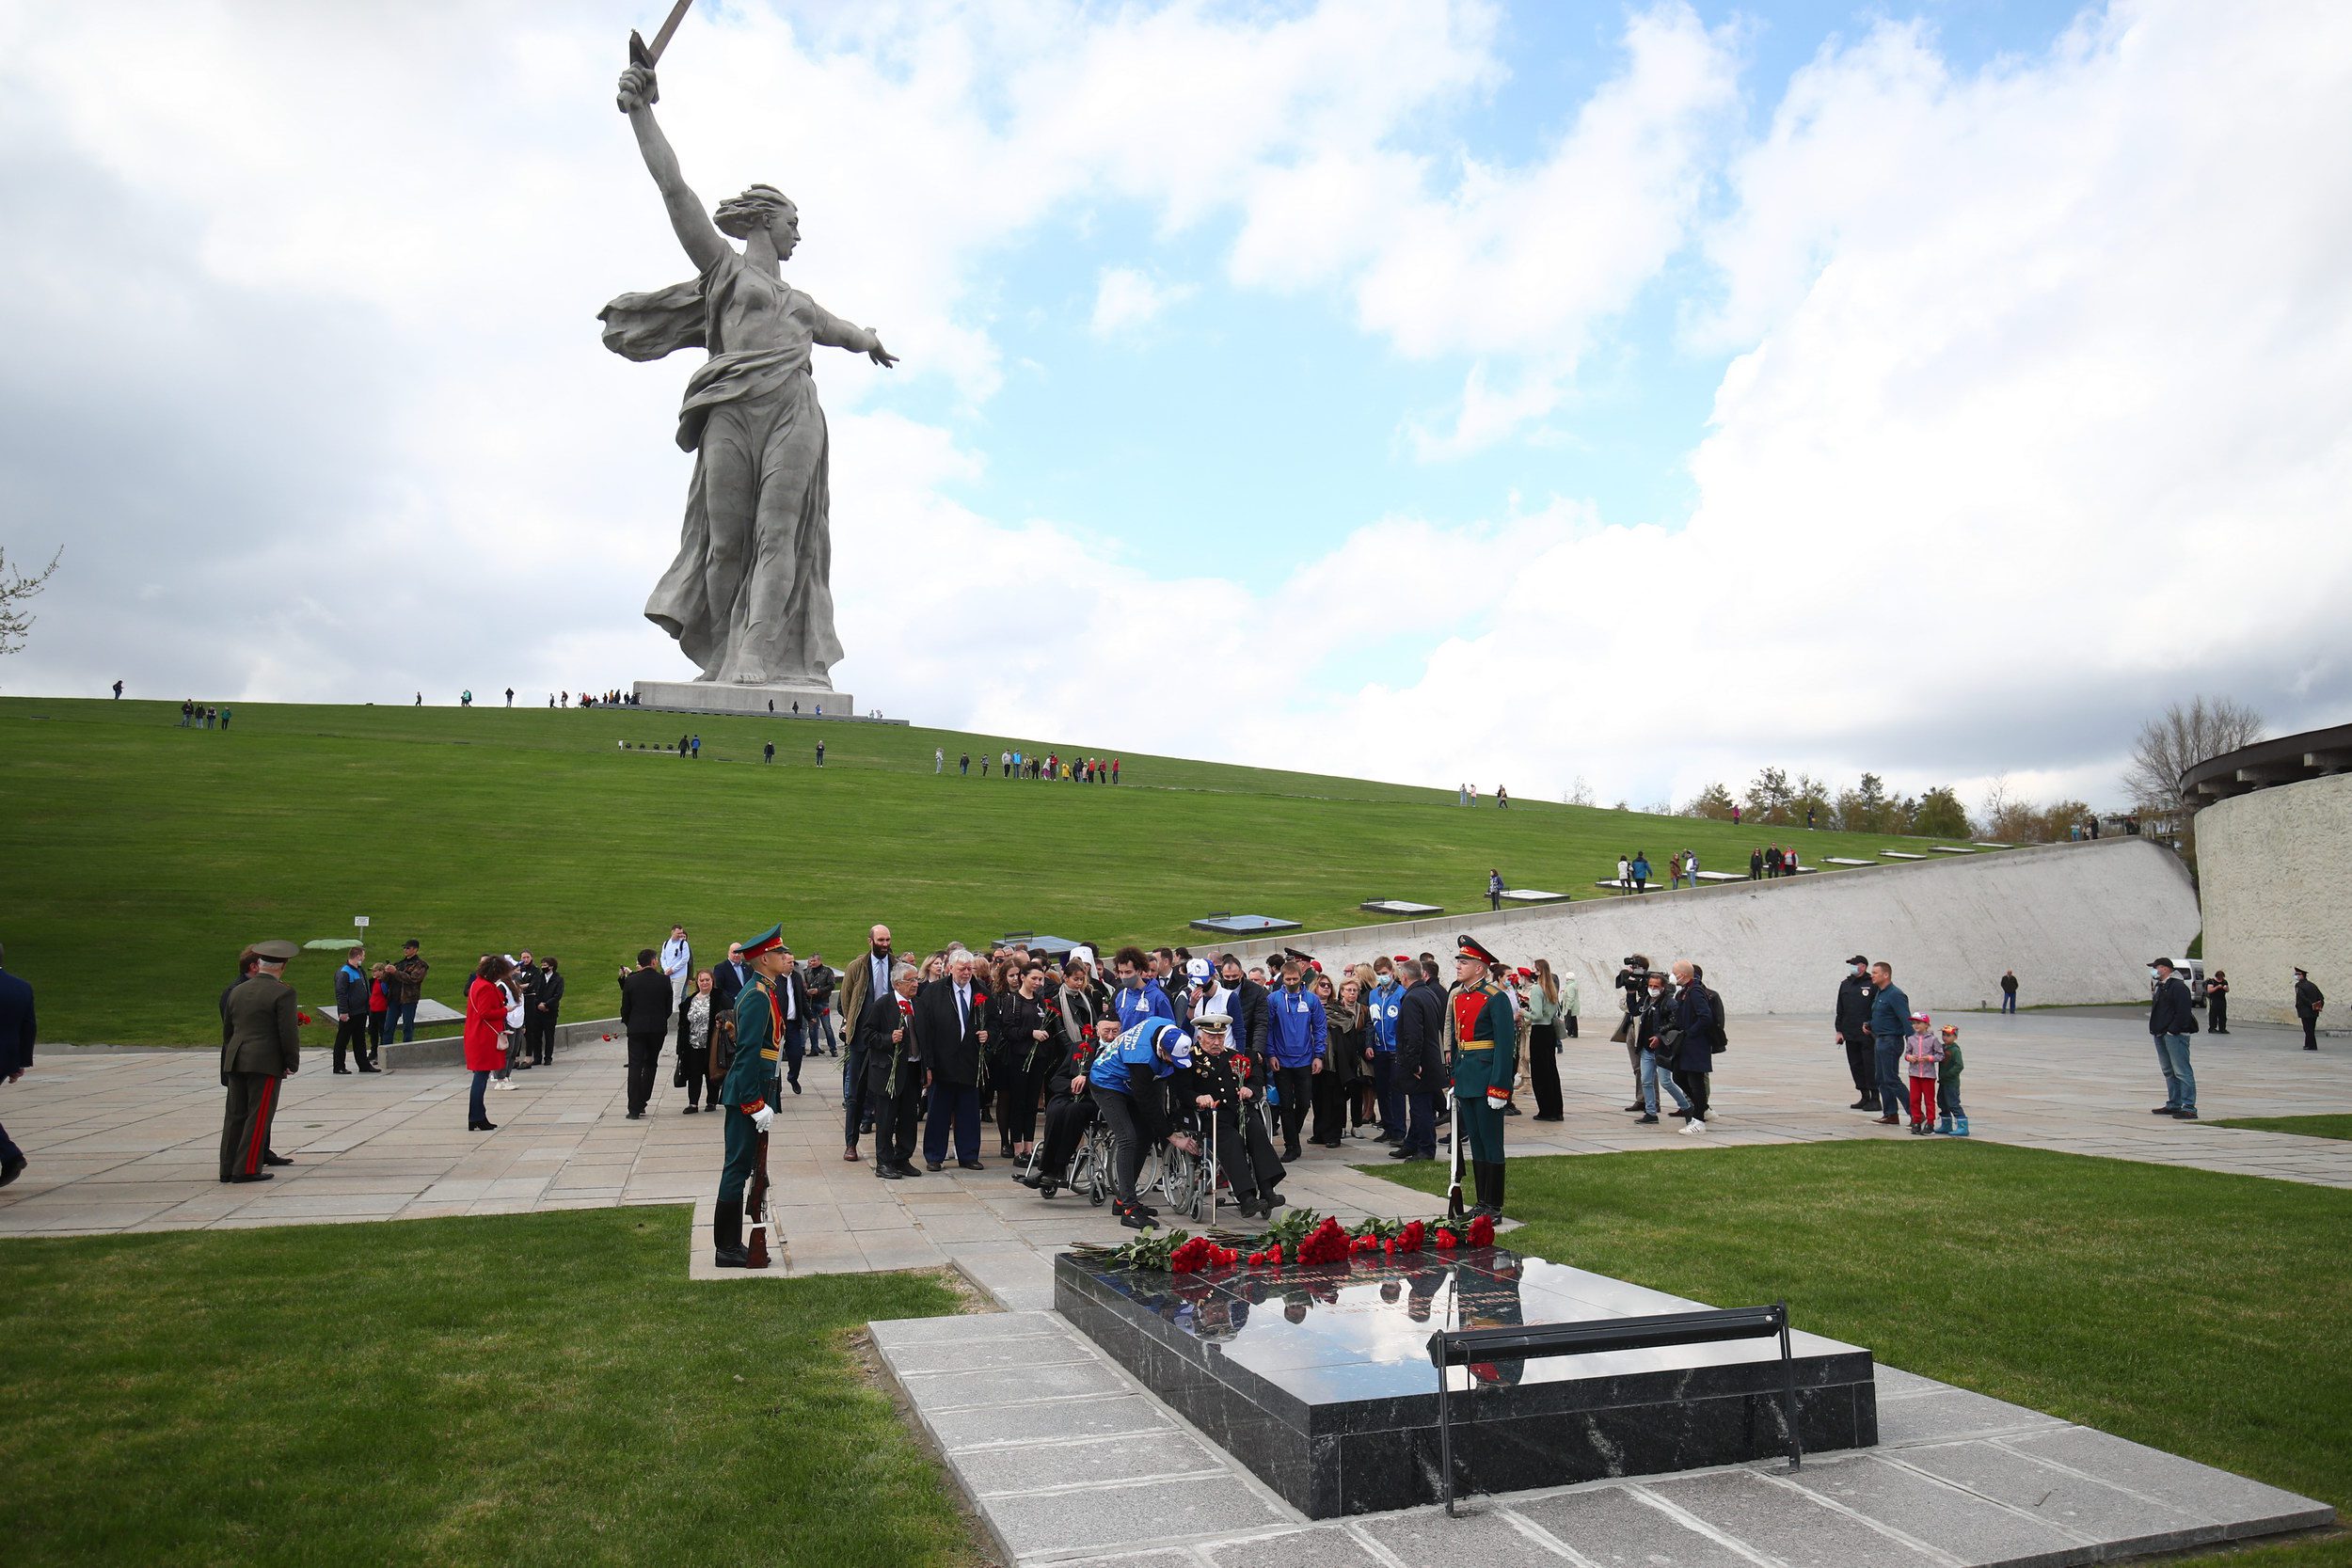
x=2078, y=922
x=2277, y=869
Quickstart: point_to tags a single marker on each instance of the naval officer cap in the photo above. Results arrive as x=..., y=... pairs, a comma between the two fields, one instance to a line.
x=769, y=940
x=275, y=952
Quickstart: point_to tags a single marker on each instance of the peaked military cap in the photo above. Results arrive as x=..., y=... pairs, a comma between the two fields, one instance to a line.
x=275, y=952
x=1470, y=947
x=769, y=940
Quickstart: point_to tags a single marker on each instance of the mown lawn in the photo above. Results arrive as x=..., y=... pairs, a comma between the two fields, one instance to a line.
x=544, y=1388
x=2302, y=1127
x=2195, y=1312
x=164, y=851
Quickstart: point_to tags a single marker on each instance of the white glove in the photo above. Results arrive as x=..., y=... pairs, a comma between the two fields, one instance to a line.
x=761, y=1117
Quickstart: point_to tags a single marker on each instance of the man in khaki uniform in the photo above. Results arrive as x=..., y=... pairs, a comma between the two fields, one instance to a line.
x=264, y=1046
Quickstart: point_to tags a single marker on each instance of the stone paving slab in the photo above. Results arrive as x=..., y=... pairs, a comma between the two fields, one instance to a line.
x=1110, y=1475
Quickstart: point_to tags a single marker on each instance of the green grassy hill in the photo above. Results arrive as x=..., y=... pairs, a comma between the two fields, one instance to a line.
x=139, y=856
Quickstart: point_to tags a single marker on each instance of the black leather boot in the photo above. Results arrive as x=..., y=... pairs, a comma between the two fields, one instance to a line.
x=727, y=1235
x=1495, y=1200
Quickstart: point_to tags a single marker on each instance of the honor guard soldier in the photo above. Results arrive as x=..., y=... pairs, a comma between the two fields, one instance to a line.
x=264, y=1045
x=751, y=1079
x=1482, y=1044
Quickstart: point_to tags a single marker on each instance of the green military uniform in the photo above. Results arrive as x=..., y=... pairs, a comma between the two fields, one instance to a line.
x=749, y=1089
x=1483, y=1047
x=264, y=1044
x=750, y=1074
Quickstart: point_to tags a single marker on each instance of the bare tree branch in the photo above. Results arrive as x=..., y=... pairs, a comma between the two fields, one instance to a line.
x=2177, y=740
x=17, y=589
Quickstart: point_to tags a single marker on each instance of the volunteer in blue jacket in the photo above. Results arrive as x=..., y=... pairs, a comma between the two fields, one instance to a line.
x=1295, y=1038
x=1139, y=995
x=1890, y=1024
x=1124, y=1084
x=1388, y=996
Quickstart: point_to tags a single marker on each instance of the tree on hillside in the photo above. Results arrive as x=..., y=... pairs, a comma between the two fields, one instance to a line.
x=2059, y=820
x=1809, y=800
x=1864, y=808
x=1939, y=814
x=2176, y=740
x=18, y=589
x=1769, y=796
x=1714, y=802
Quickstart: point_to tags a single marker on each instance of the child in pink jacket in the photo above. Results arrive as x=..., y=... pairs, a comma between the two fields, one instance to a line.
x=1923, y=1059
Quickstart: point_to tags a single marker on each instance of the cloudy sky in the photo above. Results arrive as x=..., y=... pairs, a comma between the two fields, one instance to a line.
x=1423, y=390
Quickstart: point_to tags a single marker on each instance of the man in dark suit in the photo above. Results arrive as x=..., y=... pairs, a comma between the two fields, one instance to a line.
x=264, y=1047
x=891, y=1058
x=728, y=980
x=1247, y=1006
x=16, y=1054
x=2309, y=1000
x=541, y=1012
x=646, y=1020
x=951, y=1025
x=1420, y=1067
x=792, y=991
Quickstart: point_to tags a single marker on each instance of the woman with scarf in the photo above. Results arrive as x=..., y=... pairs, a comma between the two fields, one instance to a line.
x=1343, y=1065
x=693, y=1047
x=1020, y=1049
x=1544, y=1014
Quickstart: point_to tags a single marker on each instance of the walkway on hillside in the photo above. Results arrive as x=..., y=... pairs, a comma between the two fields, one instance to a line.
x=128, y=1141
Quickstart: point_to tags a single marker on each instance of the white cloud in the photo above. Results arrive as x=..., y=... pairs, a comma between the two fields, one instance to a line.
x=1126, y=300
x=2038, y=416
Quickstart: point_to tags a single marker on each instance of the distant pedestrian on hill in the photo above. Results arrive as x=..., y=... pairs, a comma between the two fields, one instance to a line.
x=1494, y=889
x=1808, y=819
x=1735, y=817
x=1890, y=1024
x=419, y=701
x=1674, y=871
x=187, y=711
x=963, y=765
x=118, y=691
x=768, y=752
x=1625, y=875
x=16, y=1055
x=2309, y=1000
x=2009, y=990
x=510, y=696
x=465, y=697
x=224, y=718
x=1114, y=770
x=939, y=760
x=1502, y=797
x=820, y=754
x=1756, y=865
x=2171, y=1021
x=1641, y=872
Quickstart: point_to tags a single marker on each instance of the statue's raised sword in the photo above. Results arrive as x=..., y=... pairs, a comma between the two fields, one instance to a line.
x=647, y=55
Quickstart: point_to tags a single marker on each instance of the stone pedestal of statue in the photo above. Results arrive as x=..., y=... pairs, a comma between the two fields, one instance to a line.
x=726, y=697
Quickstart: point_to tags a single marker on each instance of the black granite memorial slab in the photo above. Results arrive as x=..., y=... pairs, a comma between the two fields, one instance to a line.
x=1319, y=1379
x=1243, y=924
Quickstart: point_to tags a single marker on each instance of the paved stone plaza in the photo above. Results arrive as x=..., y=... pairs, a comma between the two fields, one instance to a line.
x=128, y=1141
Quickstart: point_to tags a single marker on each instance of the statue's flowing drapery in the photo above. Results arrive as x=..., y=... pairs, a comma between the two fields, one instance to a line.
x=749, y=597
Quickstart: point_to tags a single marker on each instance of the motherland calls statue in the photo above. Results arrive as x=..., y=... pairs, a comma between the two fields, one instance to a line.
x=749, y=597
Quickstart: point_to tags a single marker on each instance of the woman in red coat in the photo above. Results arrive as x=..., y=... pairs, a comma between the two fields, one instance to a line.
x=485, y=1034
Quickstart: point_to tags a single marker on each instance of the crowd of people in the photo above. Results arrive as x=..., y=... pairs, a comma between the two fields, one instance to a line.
x=197, y=716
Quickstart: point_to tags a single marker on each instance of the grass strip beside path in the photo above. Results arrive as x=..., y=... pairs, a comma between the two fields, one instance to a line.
x=540, y=1388
x=2302, y=1127
x=2199, y=1313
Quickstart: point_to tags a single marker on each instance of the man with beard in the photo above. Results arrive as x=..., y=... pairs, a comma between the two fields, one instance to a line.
x=865, y=976
x=1852, y=1027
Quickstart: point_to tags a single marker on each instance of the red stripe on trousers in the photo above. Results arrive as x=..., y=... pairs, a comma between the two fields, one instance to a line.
x=260, y=1128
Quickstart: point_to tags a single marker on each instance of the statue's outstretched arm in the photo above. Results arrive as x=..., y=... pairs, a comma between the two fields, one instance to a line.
x=703, y=243
x=832, y=331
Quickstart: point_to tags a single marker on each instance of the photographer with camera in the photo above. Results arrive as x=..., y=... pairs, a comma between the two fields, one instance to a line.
x=1633, y=985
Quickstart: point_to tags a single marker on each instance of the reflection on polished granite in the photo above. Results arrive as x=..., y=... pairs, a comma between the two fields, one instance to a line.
x=1319, y=1379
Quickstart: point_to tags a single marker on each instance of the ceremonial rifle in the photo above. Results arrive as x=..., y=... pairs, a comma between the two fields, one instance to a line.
x=1453, y=1123
x=756, y=1209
